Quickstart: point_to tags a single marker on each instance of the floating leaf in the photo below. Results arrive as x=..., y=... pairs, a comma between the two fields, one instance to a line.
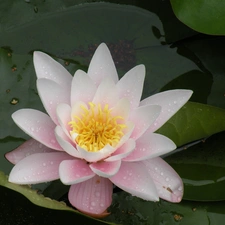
x=204, y=16
x=202, y=169
x=192, y=122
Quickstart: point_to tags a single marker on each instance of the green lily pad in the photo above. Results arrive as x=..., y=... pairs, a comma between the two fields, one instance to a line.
x=192, y=122
x=202, y=169
x=35, y=215
x=129, y=210
x=204, y=16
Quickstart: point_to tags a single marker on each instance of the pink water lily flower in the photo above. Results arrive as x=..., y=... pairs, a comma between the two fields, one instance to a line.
x=97, y=133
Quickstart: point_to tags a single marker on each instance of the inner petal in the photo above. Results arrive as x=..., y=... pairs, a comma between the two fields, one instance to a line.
x=94, y=127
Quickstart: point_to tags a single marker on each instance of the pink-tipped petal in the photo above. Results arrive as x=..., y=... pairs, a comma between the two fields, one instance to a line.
x=167, y=181
x=47, y=67
x=96, y=156
x=51, y=95
x=106, y=93
x=150, y=145
x=170, y=102
x=93, y=196
x=27, y=148
x=102, y=65
x=83, y=88
x=131, y=84
x=38, y=125
x=63, y=112
x=122, y=151
x=143, y=117
x=38, y=168
x=66, y=143
x=105, y=169
x=135, y=179
x=74, y=171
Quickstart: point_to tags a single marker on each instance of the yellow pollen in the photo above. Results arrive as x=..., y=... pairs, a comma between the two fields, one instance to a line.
x=96, y=127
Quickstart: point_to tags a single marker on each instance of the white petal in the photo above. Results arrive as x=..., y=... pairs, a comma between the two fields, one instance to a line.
x=106, y=169
x=66, y=143
x=130, y=86
x=27, y=148
x=51, y=95
x=102, y=65
x=106, y=93
x=96, y=156
x=74, y=171
x=170, y=102
x=150, y=145
x=168, y=183
x=47, y=67
x=83, y=88
x=143, y=117
x=134, y=178
x=38, y=168
x=38, y=125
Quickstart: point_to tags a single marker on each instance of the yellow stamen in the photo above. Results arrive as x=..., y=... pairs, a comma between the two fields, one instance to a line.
x=96, y=127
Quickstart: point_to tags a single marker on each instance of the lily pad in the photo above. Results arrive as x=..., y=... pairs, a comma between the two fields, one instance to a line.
x=202, y=169
x=204, y=16
x=192, y=122
x=130, y=210
x=47, y=215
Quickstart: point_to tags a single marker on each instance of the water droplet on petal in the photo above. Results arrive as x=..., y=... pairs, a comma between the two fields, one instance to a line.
x=97, y=194
x=102, y=205
x=161, y=173
x=93, y=203
x=44, y=164
x=167, y=179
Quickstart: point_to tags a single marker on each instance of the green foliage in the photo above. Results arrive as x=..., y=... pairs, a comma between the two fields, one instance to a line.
x=204, y=16
x=70, y=30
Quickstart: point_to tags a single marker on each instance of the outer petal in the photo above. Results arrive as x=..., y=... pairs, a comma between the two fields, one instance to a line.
x=106, y=93
x=27, y=148
x=38, y=125
x=74, y=171
x=47, y=67
x=96, y=156
x=122, y=151
x=170, y=101
x=83, y=88
x=134, y=178
x=167, y=181
x=51, y=95
x=106, y=169
x=143, y=117
x=93, y=196
x=102, y=65
x=66, y=143
x=150, y=145
x=38, y=168
x=131, y=84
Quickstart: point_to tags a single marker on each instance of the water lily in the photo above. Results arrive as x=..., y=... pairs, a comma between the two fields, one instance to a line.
x=97, y=133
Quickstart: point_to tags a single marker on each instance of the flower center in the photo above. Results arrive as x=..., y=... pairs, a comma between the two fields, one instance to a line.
x=96, y=127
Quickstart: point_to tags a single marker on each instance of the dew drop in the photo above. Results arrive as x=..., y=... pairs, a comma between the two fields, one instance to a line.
x=102, y=205
x=161, y=173
x=175, y=102
x=51, y=162
x=156, y=168
x=93, y=203
x=97, y=194
x=32, y=129
x=44, y=164
x=91, y=208
x=180, y=188
x=124, y=177
x=167, y=179
x=53, y=141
